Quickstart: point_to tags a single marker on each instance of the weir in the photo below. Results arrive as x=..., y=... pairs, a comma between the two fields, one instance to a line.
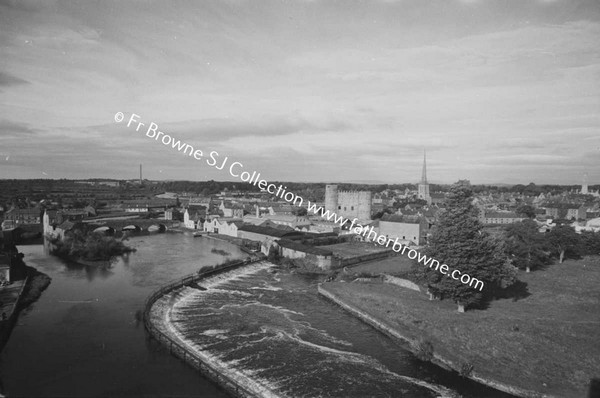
x=176, y=347
x=241, y=326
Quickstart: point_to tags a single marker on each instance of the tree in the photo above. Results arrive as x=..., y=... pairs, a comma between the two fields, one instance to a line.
x=590, y=242
x=526, y=210
x=563, y=240
x=273, y=256
x=562, y=213
x=458, y=240
x=525, y=245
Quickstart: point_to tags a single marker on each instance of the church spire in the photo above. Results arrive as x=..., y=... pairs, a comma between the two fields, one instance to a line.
x=423, y=188
x=424, y=175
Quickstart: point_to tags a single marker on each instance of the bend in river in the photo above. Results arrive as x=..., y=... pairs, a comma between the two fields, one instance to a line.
x=82, y=337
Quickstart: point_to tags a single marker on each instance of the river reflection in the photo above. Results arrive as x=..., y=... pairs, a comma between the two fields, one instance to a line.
x=82, y=338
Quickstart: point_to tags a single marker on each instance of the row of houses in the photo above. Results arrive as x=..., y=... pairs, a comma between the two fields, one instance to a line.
x=566, y=211
x=298, y=237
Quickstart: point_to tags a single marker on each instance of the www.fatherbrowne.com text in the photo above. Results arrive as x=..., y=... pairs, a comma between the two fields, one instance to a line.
x=236, y=170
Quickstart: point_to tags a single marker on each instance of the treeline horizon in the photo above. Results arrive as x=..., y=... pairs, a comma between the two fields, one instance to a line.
x=341, y=185
x=212, y=186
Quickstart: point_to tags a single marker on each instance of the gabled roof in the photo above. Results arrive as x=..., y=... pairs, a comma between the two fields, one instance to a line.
x=407, y=219
x=31, y=211
x=564, y=206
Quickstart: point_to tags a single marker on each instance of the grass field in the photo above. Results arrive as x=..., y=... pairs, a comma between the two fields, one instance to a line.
x=390, y=265
x=547, y=342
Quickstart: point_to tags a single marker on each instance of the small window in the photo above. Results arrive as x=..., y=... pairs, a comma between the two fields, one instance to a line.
x=403, y=237
x=339, y=207
x=352, y=208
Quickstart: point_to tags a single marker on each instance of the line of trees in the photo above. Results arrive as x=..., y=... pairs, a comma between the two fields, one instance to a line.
x=531, y=249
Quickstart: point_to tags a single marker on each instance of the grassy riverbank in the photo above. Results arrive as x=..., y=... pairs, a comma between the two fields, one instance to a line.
x=547, y=342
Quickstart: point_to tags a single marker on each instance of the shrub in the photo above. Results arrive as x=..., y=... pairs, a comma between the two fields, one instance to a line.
x=466, y=368
x=424, y=350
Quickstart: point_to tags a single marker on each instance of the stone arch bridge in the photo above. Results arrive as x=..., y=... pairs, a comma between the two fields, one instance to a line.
x=135, y=226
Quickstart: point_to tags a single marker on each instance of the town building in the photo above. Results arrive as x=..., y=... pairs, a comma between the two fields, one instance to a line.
x=193, y=220
x=17, y=217
x=224, y=226
x=230, y=209
x=407, y=229
x=567, y=211
x=348, y=204
x=283, y=209
x=489, y=217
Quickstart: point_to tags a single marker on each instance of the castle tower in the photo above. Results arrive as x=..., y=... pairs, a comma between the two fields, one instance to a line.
x=584, y=185
x=423, y=185
x=365, y=199
x=331, y=198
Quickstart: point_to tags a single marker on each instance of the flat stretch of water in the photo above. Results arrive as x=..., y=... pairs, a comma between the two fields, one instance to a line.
x=82, y=337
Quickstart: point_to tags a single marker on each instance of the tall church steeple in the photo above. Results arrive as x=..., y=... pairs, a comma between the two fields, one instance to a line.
x=423, y=192
x=424, y=174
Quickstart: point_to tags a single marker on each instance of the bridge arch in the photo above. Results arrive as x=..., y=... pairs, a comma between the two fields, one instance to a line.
x=131, y=228
x=157, y=228
x=106, y=230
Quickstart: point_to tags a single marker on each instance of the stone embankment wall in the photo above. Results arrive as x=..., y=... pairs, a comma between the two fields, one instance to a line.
x=362, y=258
x=235, y=387
x=394, y=280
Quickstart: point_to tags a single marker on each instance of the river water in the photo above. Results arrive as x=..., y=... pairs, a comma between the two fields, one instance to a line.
x=82, y=338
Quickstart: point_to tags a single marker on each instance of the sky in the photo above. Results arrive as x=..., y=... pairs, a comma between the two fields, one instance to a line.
x=324, y=91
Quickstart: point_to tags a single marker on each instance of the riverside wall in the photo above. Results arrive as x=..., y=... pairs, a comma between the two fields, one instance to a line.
x=237, y=388
x=397, y=335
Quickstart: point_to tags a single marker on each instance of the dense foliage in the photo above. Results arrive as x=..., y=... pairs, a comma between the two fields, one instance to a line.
x=89, y=246
x=563, y=240
x=530, y=249
x=459, y=241
x=526, y=246
x=589, y=243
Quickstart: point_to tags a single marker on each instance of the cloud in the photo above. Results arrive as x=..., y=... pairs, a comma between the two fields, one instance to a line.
x=9, y=80
x=353, y=91
x=14, y=129
x=223, y=129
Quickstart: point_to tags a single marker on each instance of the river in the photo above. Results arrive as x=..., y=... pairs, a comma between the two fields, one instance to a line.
x=82, y=338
